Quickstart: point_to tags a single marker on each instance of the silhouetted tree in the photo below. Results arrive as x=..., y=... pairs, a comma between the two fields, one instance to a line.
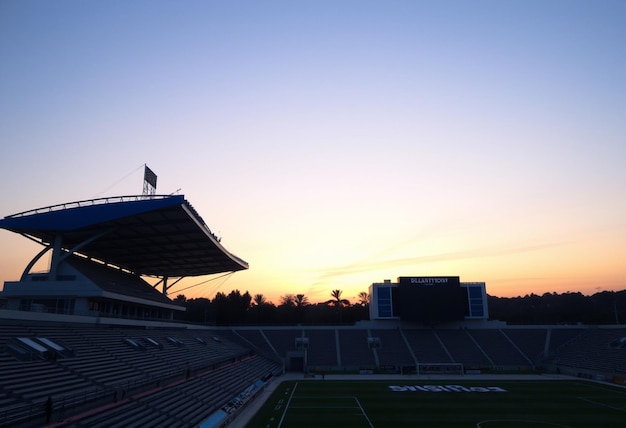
x=552, y=308
x=301, y=300
x=287, y=300
x=364, y=298
x=360, y=311
x=286, y=310
x=180, y=299
x=261, y=311
x=338, y=302
x=259, y=299
x=231, y=309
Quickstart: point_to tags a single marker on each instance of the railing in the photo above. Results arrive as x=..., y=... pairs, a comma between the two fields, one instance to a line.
x=88, y=203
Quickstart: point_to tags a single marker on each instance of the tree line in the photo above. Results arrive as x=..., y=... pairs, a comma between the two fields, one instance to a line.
x=607, y=307
x=236, y=308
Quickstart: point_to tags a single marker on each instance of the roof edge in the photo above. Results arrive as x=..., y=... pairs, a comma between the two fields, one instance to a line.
x=93, y=202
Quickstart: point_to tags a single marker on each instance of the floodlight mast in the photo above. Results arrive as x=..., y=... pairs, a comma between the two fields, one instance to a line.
x=149, y=182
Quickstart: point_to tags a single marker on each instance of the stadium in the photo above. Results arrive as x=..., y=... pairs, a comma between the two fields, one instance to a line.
x=91, y=343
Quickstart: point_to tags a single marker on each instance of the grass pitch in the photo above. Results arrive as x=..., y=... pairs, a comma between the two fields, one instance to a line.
x=447, y=404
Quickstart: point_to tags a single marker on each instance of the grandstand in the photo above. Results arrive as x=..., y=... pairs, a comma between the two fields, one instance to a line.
x=96, y=338
x=101, y=249
x=108, y=375
x=416, y=350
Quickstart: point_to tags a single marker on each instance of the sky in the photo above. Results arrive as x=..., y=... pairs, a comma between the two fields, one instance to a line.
x=333, y=144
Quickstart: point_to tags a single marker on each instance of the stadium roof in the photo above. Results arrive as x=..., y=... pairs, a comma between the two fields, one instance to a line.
x=148, y=235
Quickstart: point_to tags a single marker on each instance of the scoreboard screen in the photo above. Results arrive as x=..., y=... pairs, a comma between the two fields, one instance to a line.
x=432, y=300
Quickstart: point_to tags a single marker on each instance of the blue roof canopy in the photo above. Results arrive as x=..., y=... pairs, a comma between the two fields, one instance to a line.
x=148, y=235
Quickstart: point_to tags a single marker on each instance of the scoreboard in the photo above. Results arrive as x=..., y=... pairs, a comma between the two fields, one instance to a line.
x=432, y=299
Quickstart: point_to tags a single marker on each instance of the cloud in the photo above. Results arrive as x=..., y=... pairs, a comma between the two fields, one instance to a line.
x=362, y=266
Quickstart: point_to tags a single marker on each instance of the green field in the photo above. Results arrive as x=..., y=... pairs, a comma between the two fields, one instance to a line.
x=422, y=403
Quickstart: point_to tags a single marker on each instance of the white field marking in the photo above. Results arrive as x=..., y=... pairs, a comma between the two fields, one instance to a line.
x=363, y=411
x=287, y=405
x=619, y=409
x=533, y=423
x=333, y=397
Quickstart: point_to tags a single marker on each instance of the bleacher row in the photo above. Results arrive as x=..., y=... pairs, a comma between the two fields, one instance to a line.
x=188, y=374
x=493, y=349
x=179, y=377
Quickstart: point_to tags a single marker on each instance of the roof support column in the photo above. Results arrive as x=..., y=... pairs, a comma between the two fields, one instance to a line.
x=56, y=256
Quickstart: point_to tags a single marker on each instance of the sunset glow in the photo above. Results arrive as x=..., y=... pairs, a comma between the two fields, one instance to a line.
x=333, y=144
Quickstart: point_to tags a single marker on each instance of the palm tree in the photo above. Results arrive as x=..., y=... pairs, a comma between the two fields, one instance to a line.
x=287, y=300
x=338, y=302
x=259, y=299
x=301, y=300
x=364, y=298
